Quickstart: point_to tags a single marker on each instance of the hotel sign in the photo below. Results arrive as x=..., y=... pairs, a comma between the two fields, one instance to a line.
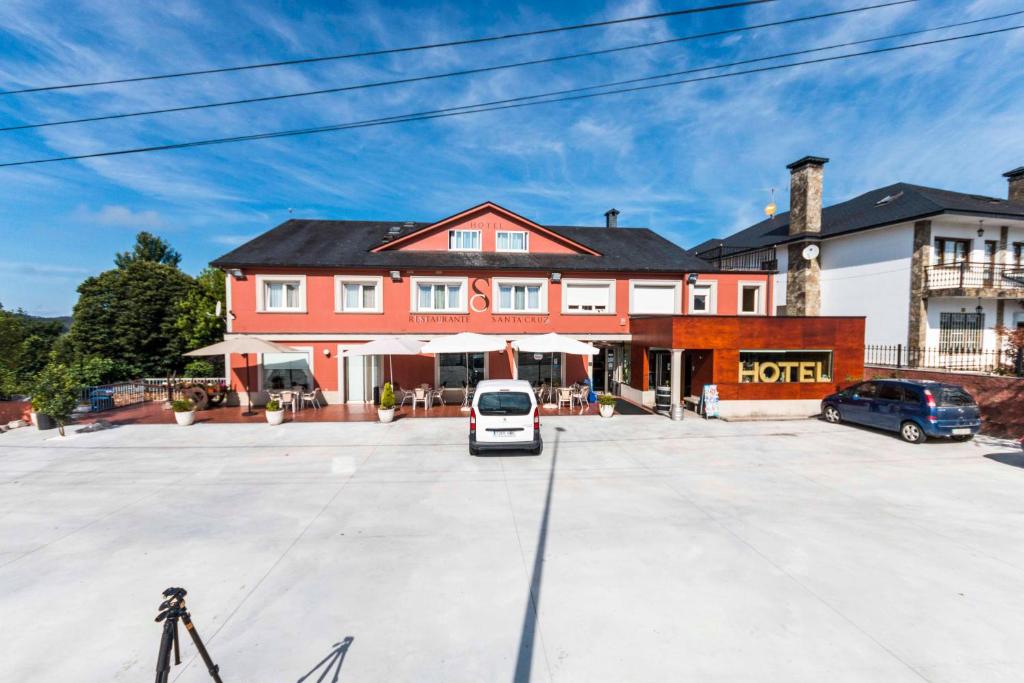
x=771, y=367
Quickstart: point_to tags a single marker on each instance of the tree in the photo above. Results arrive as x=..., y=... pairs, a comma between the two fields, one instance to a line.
x=195, y=320
x=25, y=346
x=55, y=394
x=149, y=247
x=128, y=315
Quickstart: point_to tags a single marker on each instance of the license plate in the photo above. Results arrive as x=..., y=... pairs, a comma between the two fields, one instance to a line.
x=961, y=430
x=503, y=432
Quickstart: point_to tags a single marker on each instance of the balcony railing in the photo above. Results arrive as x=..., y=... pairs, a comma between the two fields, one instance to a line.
x=973, y=275
x=946, y=358
x=741, y=258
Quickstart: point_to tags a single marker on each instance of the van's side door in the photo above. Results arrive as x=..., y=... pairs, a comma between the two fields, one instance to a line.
x=854, y=406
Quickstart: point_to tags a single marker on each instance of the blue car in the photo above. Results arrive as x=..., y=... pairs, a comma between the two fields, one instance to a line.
x=916, y=409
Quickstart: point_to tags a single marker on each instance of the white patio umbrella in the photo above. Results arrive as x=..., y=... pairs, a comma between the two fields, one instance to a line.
x=553, y=343
x=244, y=346
x=467, y=343
x=387, y=346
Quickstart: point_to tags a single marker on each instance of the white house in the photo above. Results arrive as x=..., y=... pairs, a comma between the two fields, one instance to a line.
x=928, y=268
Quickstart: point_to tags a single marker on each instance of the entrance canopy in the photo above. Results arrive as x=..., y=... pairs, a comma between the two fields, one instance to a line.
x=554, y=343
x=464, y=342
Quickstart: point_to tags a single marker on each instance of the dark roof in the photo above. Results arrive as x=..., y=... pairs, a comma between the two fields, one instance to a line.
x=905, y=203
x=347, y=244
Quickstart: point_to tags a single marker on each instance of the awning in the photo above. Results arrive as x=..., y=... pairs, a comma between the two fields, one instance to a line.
x=464, y=342
x=242, y=345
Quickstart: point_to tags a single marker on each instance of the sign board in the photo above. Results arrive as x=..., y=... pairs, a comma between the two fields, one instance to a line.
x=709, y=400
x=770, y=367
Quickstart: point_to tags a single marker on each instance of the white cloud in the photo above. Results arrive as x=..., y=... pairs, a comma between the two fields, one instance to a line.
x=230, y=240
x=120, y=216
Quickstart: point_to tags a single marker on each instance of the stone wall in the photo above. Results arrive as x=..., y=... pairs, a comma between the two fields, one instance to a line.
x=1001, y=399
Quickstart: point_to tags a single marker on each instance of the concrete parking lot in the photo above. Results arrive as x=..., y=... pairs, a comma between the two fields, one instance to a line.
x=633, y=549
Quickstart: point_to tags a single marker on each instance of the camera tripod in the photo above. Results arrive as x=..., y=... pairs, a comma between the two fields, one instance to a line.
x=172, y=609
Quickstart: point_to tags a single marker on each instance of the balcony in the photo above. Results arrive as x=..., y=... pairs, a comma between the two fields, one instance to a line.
x=741, y=258
x=975, y=279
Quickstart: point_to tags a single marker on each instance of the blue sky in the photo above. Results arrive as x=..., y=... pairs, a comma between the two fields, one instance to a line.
x=691, y=162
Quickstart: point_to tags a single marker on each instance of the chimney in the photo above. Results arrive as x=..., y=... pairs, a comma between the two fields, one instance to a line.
x=803, y=274
x=1016, y=180
x=611, y=218
x=805, y=183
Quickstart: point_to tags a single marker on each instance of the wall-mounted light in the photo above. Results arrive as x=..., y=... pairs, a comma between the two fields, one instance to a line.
x=981, y=228
x=691, y=279
x=396, y=275
x=236, y=273
x=556, y=277
x=327, y=353
x=979, y=309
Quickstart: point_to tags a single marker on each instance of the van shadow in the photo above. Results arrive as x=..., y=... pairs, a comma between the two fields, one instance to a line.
x=1011, y=459
x=334, y=659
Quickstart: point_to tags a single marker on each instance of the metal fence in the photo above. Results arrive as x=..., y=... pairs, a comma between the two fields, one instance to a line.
x=943, y=358
x=741, y=258
x=132, y=392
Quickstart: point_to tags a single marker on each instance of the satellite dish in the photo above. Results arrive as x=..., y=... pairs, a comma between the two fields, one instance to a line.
x=217, y=310
x=811, y=252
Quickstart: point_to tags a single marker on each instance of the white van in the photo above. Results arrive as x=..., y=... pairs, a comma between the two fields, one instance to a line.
x=504, y=416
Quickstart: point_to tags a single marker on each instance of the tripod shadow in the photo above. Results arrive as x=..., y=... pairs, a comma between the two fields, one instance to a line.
x=333, y=660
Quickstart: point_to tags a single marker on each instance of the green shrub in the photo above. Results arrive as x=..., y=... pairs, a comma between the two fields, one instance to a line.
x=273, y=405
x=387, y=397
x=606, y=399
x=199, y=368
x=55, y=393
x=183, y=405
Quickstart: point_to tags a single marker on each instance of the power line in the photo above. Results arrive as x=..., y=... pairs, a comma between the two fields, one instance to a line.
x=465, y=72
x=511, y=103
x=397, y=50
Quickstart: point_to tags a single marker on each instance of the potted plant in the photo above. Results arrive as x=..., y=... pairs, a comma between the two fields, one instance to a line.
x=184, y=411
x=606, y=404
x=54, y=397
x=275, y=413
x=386, y=411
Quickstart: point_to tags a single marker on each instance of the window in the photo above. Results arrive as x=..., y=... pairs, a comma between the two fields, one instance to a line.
x=949, y=251
x=452, y=370
x=960, y=332
x=511, y=241
x=354, y=294
x=702, y=298
x=655, y=297
x=520, y=296
x=539, y=368
x=464, y=240
x=593, y=297
x=1018, y=254
x=286, y=370
x=438, y=295
x=865, y=390
x=751, y=298
x=281, y=294
x=890, y=391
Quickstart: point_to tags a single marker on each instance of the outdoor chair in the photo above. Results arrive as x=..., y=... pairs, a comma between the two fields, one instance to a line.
x=467, y=394
x=101, y=399
x=565, y=396
x=580, y=394
x=419, y=394
x=402, y=395
x=437, y=395
x=312, y=397
x=287, y=398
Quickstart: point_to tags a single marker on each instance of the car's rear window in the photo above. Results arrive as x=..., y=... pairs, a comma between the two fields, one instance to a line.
x=505, y=403
x=954, y=396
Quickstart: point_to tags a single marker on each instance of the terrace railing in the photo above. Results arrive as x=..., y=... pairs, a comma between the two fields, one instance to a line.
x=973, y=275
x=942, y=358
x=741, y=258
x=120, y=394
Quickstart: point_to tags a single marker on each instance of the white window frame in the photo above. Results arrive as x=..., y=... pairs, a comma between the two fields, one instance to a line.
x=677, y=285
x=612, y=295
x=761, y=291
x=712, y=286
x=263, y=280
x=339, y=293
x=496, y=284
x=414, y=299
x=526, y=241
x=454, y=231
x=298, y=349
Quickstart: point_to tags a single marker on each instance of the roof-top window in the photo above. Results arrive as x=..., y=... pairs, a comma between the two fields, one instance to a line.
x=506, y=240
x=464, y=240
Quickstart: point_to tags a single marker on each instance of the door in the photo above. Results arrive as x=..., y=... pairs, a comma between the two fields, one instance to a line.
x=856, y=404
x=885, y=410
x=598, y=375
x=362, y=376
x=660, y=369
